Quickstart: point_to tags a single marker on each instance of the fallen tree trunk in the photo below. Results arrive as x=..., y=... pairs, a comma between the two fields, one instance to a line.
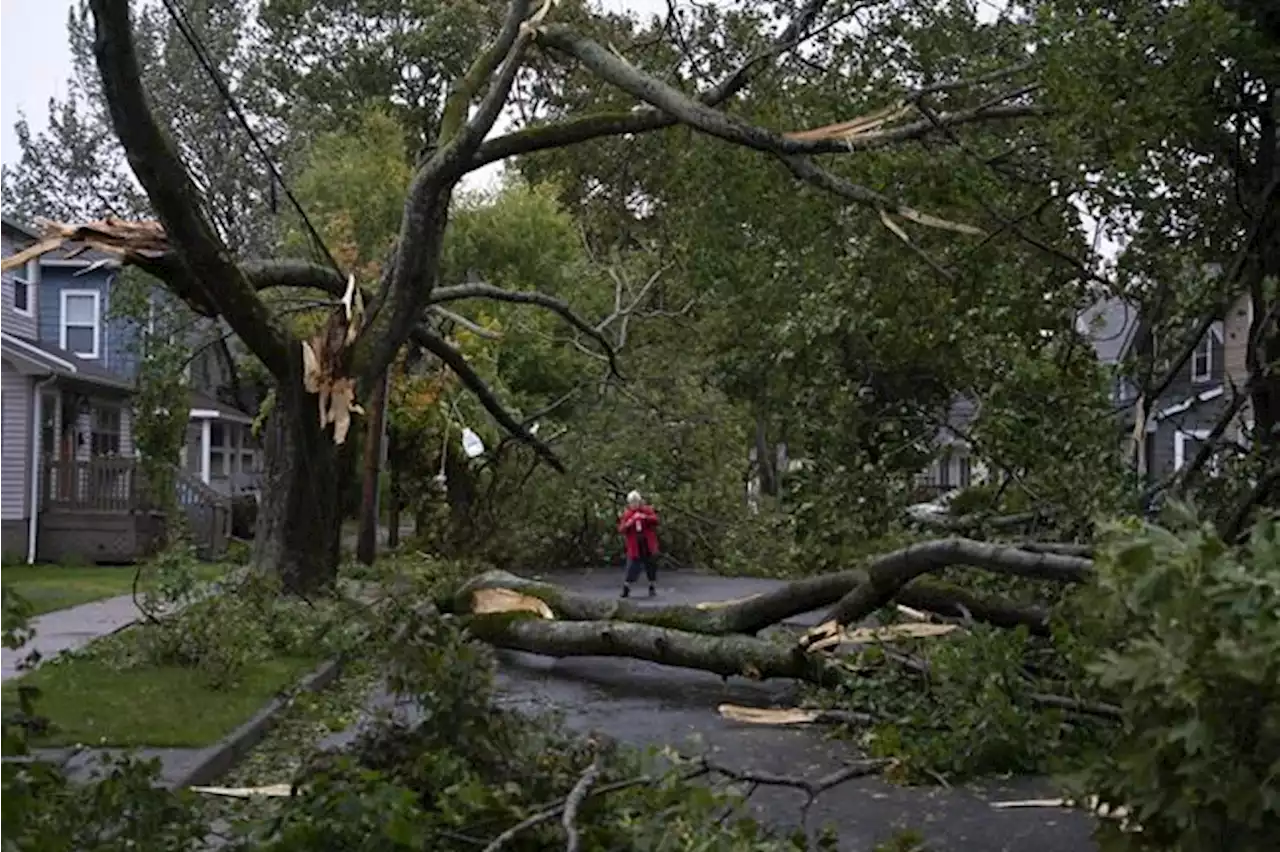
x=890, y=573
x=887, y=575
x=723, y=655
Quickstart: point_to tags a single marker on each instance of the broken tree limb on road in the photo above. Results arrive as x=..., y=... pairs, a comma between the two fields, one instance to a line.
x=895, y=571
x=726, y=656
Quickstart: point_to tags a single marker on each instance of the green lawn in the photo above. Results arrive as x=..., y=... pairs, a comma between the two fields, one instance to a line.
x=90, y=702
x=53, y=587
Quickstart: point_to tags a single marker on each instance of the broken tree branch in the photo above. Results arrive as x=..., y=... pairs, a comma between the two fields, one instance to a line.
x=887, y=575
x=455, y=361
x=481, y=290
x=574, y=801
x=204, y=258
x=643, y=119
x=726, y=656
x=755, y=613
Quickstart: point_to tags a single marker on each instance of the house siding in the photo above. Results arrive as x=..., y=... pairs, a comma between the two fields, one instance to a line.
x=116, y=336
x=15, y=323
x=1236, y=343
x=15, y=401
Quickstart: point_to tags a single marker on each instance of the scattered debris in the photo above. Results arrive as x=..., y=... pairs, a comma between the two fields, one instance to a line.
x=829, y=635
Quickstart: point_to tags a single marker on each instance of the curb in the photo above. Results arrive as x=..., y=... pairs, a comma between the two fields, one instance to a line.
x=223, y=756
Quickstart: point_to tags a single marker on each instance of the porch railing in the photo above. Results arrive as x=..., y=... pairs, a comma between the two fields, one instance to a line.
x=93, y=485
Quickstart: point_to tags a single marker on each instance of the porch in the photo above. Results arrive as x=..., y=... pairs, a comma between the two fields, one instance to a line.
x=101, y=509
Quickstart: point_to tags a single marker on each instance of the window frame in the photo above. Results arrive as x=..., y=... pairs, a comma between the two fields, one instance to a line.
x=29, y=310
x=1180, y=439
x=1205, y=349
x=95, y=431
x=63, y=325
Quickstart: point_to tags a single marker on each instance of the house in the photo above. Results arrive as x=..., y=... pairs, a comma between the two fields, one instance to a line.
x=220, y=447
x=72, y=487
x=954, y=466
x=67, y=438
x=1175, y=425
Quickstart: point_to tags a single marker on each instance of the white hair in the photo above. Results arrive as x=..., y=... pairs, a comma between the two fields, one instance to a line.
x=634, y=499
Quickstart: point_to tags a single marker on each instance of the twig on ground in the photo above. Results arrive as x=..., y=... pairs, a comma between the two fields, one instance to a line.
x=574, y=801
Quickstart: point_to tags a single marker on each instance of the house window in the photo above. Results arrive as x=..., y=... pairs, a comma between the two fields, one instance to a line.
x=1202, y=360
x=105, y=432
x=21, y=296
x=966, y=471
x=218, y=460
x=80, y=332
x=1185, y=447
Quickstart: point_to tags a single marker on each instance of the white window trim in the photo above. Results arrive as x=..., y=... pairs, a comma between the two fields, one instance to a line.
x=30, y=310
x=97, y=322
x=1180, y=438
x=1207, y=346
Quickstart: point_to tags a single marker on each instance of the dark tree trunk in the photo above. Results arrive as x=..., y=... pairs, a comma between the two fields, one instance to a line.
x=766, y=459
x=299, y=531
x=460, y=490
x=393, y=475
x=367, y=543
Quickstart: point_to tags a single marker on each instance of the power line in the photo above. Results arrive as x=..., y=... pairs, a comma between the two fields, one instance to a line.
x=193, y=40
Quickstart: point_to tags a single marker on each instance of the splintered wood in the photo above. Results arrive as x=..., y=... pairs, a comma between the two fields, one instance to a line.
x=485, y=601
x=322, y=364
x=829, y=635
x=847, y=131
x=116, y=237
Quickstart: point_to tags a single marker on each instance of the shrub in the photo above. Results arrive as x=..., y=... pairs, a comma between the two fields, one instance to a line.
x=1188, y=637
x=244, y=515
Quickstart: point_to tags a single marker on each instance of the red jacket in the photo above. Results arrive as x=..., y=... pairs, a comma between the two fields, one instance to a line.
x=635, y=523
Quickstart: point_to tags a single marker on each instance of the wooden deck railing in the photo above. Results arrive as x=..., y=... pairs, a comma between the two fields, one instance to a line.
x=93, y=485
x=119, y=486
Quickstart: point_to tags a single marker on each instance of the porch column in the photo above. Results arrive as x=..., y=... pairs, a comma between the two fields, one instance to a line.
x=206, y=439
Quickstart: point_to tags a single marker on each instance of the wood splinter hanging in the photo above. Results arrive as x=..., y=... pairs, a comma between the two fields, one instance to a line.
x=322, y=361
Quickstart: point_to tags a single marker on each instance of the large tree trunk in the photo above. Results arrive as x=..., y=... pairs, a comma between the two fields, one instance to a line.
x=299, y=531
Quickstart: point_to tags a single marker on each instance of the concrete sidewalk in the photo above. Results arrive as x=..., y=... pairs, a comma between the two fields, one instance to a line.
x=66, y=629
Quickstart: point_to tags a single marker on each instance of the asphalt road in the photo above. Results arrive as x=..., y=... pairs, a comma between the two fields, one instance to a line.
x=648, y=704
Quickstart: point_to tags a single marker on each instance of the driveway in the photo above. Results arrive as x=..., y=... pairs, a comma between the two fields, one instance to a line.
x=648, y=704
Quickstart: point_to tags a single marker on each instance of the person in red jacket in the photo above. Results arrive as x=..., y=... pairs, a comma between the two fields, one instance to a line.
x=639, y=528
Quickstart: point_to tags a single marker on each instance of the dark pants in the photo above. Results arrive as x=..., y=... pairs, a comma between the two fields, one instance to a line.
x=634, y=565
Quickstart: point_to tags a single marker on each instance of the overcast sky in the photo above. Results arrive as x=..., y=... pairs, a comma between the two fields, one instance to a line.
x=35, y=61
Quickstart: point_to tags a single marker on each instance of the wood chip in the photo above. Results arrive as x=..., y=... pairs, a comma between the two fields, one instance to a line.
x=270, y=790
x=486, y=601
x=768, y=716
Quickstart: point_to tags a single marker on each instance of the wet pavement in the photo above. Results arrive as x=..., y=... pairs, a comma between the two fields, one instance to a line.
x=76, y=627
x=646, y=704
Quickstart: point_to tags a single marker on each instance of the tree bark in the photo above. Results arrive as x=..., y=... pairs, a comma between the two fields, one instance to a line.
x=724, y=655
x=367, y=542
x=299, y=532
x=753, y=614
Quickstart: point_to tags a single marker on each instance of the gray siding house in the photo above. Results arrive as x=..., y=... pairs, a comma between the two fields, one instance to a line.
x=1181, y=419
x=71, y=484
x=67, y=442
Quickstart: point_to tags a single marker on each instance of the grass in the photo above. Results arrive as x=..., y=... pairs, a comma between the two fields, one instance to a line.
x=54, y=587
x=91, y=702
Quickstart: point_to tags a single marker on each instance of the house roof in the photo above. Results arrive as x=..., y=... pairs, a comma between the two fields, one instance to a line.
x=1110, y=325
x=46, y=359
x=205, y=407
x=960, y=416
x=11, y=224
